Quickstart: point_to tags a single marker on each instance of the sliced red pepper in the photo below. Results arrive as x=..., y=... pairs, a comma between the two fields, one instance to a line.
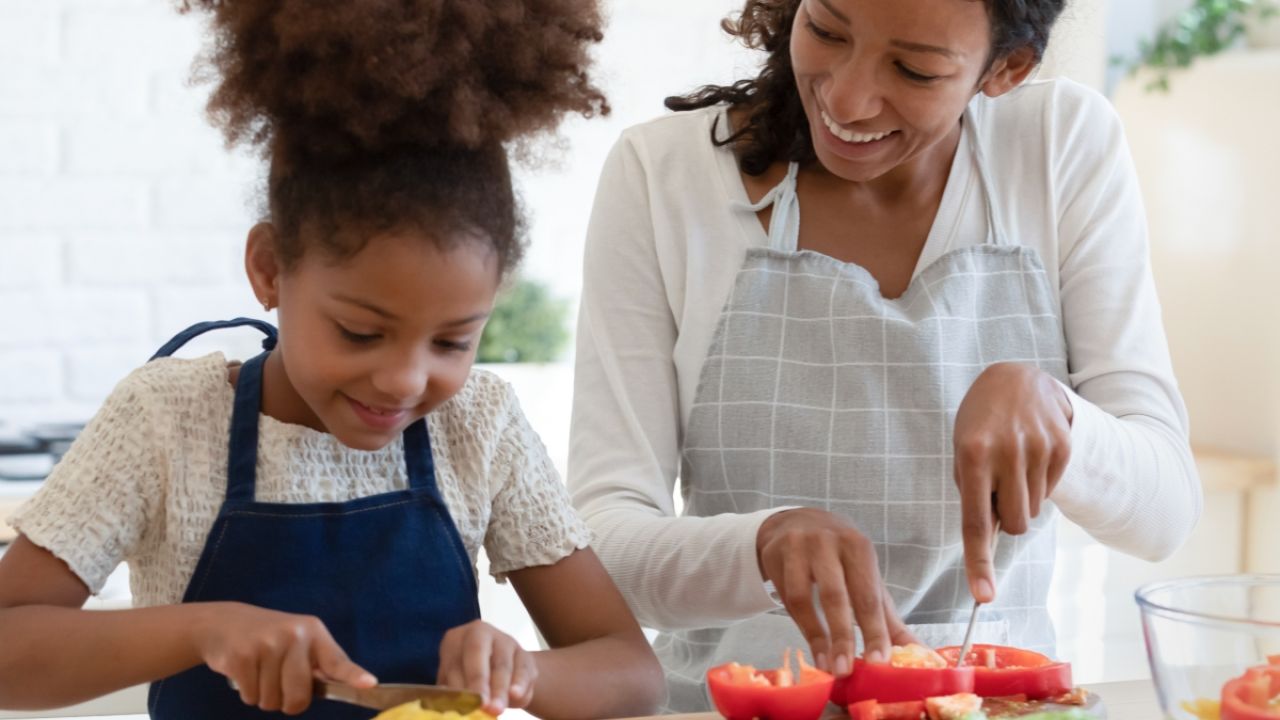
x=1000, y=671
x=874, y=710
x=911, y=710
x=889, y=684
x=864, y=710
x=740, y=692
x=1248, y=697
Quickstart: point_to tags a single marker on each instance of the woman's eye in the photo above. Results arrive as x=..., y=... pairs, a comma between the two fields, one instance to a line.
x=357, y=338
x=820, y=33
x=453, y=345
x=915, y=76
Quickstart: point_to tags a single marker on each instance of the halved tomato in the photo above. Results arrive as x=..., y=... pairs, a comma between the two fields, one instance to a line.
x=1001, y=671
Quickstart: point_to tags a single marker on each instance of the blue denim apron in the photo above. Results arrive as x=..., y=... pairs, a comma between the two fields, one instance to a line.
x=387, y=574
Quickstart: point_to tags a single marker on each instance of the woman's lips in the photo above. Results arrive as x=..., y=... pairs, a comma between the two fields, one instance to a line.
x=851, y=145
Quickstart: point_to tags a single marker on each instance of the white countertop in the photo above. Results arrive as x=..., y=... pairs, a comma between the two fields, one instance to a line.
x=1135, y=700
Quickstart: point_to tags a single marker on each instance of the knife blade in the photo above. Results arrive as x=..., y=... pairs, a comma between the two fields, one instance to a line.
x=440, y=698
x=967, y=645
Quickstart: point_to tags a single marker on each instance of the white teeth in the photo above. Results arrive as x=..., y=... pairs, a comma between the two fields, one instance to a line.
x=851, y=137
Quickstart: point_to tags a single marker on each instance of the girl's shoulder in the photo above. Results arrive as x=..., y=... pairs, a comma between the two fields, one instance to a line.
x=172, y=385
x=484, y=407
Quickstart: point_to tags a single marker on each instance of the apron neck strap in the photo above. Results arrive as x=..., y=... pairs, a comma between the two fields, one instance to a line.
x=190, y=333
x=418, y=460
x=784, y=222
x=242, y=454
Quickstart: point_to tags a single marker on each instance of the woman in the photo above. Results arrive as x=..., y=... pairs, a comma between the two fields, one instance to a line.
x=872, y=307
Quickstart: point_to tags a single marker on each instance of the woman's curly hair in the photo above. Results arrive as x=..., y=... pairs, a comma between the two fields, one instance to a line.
x=774, y=127
x=375, y=114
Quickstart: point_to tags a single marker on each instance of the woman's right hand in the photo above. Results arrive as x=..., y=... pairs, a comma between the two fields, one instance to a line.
x=802, y=548
x=272, y=657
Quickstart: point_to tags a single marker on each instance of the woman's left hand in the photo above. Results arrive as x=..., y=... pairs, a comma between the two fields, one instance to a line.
x=482, y=658
x=1012, y=441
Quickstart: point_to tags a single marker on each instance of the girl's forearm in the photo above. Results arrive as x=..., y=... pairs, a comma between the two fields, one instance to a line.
x=611, y=676
x=56, y=656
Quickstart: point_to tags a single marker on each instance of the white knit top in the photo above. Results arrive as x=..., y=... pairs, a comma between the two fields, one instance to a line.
x=145, y=480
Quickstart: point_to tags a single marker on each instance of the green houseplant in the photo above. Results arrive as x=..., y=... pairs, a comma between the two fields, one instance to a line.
x=529, y=324
x=1206, y=28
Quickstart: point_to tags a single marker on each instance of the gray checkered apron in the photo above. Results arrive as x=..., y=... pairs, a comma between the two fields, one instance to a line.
x=817, y=391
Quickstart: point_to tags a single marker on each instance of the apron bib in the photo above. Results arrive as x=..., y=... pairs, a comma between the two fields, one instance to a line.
x=817, y=391
x=387, y=574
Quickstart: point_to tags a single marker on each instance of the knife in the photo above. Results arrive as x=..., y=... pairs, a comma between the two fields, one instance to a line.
x=440, y=698
x=967, y=645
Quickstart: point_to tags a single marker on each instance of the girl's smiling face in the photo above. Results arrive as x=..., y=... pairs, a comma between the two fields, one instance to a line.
x=884, y=81
x=372, y=342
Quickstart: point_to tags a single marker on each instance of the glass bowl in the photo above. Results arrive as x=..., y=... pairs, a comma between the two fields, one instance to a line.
x=1203, y=631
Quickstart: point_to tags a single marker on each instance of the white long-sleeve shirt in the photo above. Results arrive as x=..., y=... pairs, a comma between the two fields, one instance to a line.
x=663, y=248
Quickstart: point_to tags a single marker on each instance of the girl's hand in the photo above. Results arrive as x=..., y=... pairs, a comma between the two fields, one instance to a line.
x=482, y=658
x=272, y=656
x=803, y=548
x=1012, y=440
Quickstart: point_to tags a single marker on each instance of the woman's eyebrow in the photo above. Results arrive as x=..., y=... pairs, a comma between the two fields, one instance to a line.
x=923, y=48
x=900, y=44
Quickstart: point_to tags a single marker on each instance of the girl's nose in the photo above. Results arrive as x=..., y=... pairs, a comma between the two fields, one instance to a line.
x=853, y=94
x=403, y=376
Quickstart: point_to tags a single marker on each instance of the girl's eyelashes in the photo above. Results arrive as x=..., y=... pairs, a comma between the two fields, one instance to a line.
x=354, y=337
x=365, y=339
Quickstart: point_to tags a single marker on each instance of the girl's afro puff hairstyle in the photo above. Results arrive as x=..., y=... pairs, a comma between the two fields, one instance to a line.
x=377, y=114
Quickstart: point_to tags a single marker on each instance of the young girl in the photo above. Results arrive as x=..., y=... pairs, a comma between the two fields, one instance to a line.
x=317, y=511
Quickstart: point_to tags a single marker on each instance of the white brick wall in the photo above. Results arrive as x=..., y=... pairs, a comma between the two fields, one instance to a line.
x=123, y=217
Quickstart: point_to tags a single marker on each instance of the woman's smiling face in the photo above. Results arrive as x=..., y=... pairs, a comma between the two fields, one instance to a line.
x=883, y=81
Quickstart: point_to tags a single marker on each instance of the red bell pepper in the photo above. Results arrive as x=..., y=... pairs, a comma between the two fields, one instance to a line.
x=1000, y=671
x=740, y=692
x=1249, y=697
x=875, y=710
x=890, y=684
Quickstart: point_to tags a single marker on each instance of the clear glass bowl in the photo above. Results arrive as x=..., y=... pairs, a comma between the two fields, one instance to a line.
x=1203, y=631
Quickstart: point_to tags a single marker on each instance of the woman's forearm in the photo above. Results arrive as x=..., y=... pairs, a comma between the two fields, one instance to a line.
x=56, y=656
x=612, y=676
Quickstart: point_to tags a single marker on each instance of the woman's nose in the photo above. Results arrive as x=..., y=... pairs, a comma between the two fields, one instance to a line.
x=854, y=92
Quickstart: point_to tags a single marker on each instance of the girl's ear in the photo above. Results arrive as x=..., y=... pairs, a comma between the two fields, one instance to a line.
x=262, y=263
x=1008, y=72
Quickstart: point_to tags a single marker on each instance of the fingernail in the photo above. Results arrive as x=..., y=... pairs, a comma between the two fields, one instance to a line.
x=821, y=660
x=875, y=656
x=983, y=591
x=517, y=689
x=499, y=706
x=842, y=665
x=368, y=679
